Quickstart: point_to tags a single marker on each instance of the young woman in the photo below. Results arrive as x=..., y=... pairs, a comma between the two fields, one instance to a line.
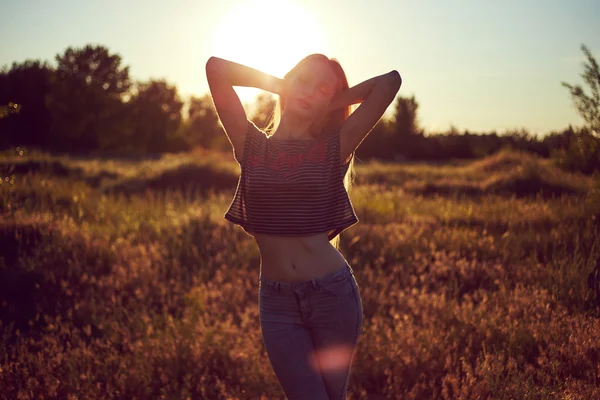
x=292, y=198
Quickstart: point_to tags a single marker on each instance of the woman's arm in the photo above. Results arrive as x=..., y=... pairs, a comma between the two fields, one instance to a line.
x=242, y=75
x=356, y=94
x=375, y=95
x=222, y=76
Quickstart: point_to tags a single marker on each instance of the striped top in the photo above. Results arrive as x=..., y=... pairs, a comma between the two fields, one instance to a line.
x=291, y=187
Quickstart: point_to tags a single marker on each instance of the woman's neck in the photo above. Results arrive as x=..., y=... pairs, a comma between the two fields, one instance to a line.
x=295, y=127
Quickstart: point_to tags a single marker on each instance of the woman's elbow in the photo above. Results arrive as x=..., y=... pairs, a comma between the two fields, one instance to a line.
x=214, y=64
x=210, y=63
x=395, y=79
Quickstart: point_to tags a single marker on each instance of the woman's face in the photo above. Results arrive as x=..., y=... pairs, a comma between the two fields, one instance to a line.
x=311, y=89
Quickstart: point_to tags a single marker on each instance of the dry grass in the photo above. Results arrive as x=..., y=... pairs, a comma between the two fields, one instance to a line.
x=506, y=173
x=467, y=293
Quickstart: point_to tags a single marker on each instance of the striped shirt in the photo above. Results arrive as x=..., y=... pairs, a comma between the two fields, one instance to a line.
x=291, y=187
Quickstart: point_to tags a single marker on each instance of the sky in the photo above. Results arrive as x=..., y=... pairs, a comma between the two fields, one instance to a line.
x=476, y=65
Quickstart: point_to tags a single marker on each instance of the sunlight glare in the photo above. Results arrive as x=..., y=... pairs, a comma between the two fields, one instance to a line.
x=268, y=35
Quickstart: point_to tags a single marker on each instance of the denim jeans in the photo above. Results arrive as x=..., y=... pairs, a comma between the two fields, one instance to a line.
x=310, y=330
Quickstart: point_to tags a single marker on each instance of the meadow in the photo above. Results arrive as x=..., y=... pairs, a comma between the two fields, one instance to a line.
x=120, y=279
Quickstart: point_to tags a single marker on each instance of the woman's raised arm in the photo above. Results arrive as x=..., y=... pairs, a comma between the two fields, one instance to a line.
x=222, y=76
x=375, y=95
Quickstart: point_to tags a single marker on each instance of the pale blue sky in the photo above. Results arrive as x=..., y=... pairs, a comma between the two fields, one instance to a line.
x=478, y=65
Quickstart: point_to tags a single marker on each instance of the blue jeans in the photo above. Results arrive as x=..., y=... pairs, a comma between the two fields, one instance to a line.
x=310, y=330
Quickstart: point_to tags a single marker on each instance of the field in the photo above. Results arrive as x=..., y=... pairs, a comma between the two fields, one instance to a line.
x=121, y=279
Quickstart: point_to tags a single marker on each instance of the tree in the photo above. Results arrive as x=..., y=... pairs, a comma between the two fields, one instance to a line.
x=86, y=103
x=23, y=92
x=264, y=107
x=407, y=135
x=397, y=137
x=405, y=116
x=202, y=125
x=588, y=105
x=155, y=110
x=583, y=151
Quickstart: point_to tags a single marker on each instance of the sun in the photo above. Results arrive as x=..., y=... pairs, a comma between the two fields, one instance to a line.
x=269, y=35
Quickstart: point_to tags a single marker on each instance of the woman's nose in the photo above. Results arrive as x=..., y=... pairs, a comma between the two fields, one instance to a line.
x=305, y=92
x=309, y=94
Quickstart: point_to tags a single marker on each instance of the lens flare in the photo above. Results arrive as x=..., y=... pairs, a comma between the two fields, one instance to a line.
x=334, y=358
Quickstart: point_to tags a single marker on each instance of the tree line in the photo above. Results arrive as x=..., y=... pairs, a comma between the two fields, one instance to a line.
x=88, y=104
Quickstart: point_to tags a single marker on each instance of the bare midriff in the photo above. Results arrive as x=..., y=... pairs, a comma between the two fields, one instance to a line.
x=298, y=258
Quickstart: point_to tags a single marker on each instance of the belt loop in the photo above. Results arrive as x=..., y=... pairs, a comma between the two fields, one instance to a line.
x=314, y=282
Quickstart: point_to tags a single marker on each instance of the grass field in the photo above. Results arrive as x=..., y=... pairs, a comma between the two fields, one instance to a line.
x=121, y=279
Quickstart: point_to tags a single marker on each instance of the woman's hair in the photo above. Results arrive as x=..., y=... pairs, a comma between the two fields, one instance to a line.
x=334, y=120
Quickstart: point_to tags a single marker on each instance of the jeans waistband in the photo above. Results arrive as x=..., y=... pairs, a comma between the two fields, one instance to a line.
x=346, y=269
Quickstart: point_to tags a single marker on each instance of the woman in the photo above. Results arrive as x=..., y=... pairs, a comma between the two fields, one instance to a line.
x=292, y=198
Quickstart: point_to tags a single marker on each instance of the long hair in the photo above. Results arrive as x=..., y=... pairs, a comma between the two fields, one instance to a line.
x=333, y=120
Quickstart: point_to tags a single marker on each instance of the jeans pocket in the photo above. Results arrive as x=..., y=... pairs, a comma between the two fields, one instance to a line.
x=339, y=286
